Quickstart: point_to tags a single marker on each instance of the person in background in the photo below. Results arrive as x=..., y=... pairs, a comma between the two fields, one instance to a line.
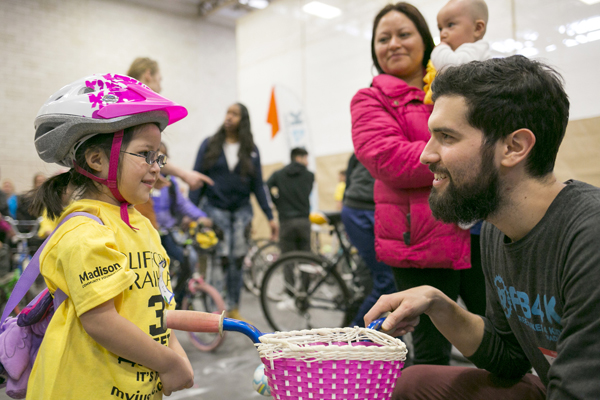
x=389, y=131
x=170, y=206
x=8, y=188
x=338, y=194
x=38, y=179
x=232, y=160
x=5, y=231
x=493, y=152
x=146, y=70
x=290, y=189
x=358, y=217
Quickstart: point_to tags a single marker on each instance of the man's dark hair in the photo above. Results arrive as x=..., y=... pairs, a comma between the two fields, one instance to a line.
x=417, y=18
x=298, y=152
x=507, y=94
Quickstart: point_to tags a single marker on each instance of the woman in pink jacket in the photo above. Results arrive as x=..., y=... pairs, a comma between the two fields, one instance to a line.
x=389, y=131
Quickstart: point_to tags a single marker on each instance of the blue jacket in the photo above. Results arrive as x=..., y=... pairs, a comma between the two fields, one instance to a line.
x=230, y=191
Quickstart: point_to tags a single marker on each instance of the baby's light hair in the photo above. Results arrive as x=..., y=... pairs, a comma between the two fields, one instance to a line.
x=479, y=10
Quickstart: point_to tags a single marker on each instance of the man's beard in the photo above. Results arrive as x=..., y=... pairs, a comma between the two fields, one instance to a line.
x=471, y=201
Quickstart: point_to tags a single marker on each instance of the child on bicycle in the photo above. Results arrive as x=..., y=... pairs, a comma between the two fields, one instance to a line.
x=170, y=207
x=107, y=339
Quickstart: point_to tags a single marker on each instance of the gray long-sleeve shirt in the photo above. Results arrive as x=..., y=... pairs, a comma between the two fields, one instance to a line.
x=543, y=294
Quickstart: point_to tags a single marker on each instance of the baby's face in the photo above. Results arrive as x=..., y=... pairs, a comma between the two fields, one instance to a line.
x=456, y=25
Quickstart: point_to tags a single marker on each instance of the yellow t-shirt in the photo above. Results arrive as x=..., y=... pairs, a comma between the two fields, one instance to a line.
x=46, y=226
x=92, y=264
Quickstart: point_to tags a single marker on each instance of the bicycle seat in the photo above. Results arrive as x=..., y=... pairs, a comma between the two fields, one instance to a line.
x=334, y=217
x=327, y=217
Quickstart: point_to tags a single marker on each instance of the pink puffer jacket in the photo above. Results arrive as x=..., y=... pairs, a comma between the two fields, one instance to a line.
x=389, y=131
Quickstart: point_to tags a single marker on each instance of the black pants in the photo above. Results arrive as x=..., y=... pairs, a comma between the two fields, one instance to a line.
x=294, y=234
x=430, y=346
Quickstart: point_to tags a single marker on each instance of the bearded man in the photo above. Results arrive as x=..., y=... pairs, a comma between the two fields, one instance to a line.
x=496, y=128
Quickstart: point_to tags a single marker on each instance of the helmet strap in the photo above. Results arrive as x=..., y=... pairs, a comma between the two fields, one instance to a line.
x=111, y=181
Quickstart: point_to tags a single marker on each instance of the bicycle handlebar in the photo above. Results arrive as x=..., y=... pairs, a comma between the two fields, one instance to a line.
x=34, y=224
x=194, y=321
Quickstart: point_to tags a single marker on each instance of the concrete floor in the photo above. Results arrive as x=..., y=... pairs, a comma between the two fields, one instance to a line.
x=227, y=372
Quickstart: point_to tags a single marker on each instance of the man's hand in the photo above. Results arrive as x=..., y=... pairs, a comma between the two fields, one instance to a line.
x=405, y=307
x=274, y=229
x=462, y=328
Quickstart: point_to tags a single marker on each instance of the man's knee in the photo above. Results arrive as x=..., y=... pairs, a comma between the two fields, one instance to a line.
x=411, y=381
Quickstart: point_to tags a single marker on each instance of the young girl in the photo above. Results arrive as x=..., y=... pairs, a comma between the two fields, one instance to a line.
x=107, y=338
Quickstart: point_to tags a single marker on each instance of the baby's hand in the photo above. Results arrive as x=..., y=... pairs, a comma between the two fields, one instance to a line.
x=177, y=376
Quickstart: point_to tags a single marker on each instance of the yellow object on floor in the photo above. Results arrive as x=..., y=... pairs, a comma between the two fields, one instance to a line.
x=235, y=314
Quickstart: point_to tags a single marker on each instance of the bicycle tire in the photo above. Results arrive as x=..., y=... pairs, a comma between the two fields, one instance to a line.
x=201, y=297
x=258, y=262
x=312, y=295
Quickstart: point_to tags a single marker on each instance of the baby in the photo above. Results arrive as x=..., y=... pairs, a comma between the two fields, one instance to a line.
x=462, y=24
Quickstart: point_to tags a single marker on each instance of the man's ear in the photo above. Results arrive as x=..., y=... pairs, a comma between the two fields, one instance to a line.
x=479, y=29
x=96, y=160
x=516, y=147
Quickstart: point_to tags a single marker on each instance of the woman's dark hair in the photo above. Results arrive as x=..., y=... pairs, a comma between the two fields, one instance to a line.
x=215, y=145
x=49, y=195
x=417, y=18
x=507, y=94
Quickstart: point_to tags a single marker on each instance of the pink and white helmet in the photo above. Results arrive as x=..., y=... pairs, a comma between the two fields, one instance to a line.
x=94, y=105
x=97, y=104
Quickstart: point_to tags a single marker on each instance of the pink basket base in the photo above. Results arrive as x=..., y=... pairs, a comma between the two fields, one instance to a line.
x=332, y=379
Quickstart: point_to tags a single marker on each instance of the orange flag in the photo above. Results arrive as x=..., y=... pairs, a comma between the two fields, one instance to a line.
x=272, y=115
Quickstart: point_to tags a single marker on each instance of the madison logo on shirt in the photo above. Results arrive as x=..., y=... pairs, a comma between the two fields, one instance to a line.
x=88, y=277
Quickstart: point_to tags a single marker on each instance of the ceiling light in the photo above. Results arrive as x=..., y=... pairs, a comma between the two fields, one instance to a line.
x=590, y=1
x=258, y=3
x=322, y=10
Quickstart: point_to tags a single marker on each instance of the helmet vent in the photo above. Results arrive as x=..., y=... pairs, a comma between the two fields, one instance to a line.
x=86, y=90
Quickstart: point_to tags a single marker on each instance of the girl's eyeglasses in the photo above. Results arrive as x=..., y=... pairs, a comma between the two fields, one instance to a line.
x=150, y=157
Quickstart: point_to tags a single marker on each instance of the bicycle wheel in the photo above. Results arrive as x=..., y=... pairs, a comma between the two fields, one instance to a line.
x=257, y=264
x=303, y=291
x=203, y=297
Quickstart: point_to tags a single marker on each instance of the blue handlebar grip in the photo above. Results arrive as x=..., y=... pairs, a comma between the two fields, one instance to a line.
x=376, y=324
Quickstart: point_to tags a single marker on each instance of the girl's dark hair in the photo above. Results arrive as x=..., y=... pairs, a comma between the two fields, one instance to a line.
x=215, y=145
x=49, y=195
x=417, y=18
